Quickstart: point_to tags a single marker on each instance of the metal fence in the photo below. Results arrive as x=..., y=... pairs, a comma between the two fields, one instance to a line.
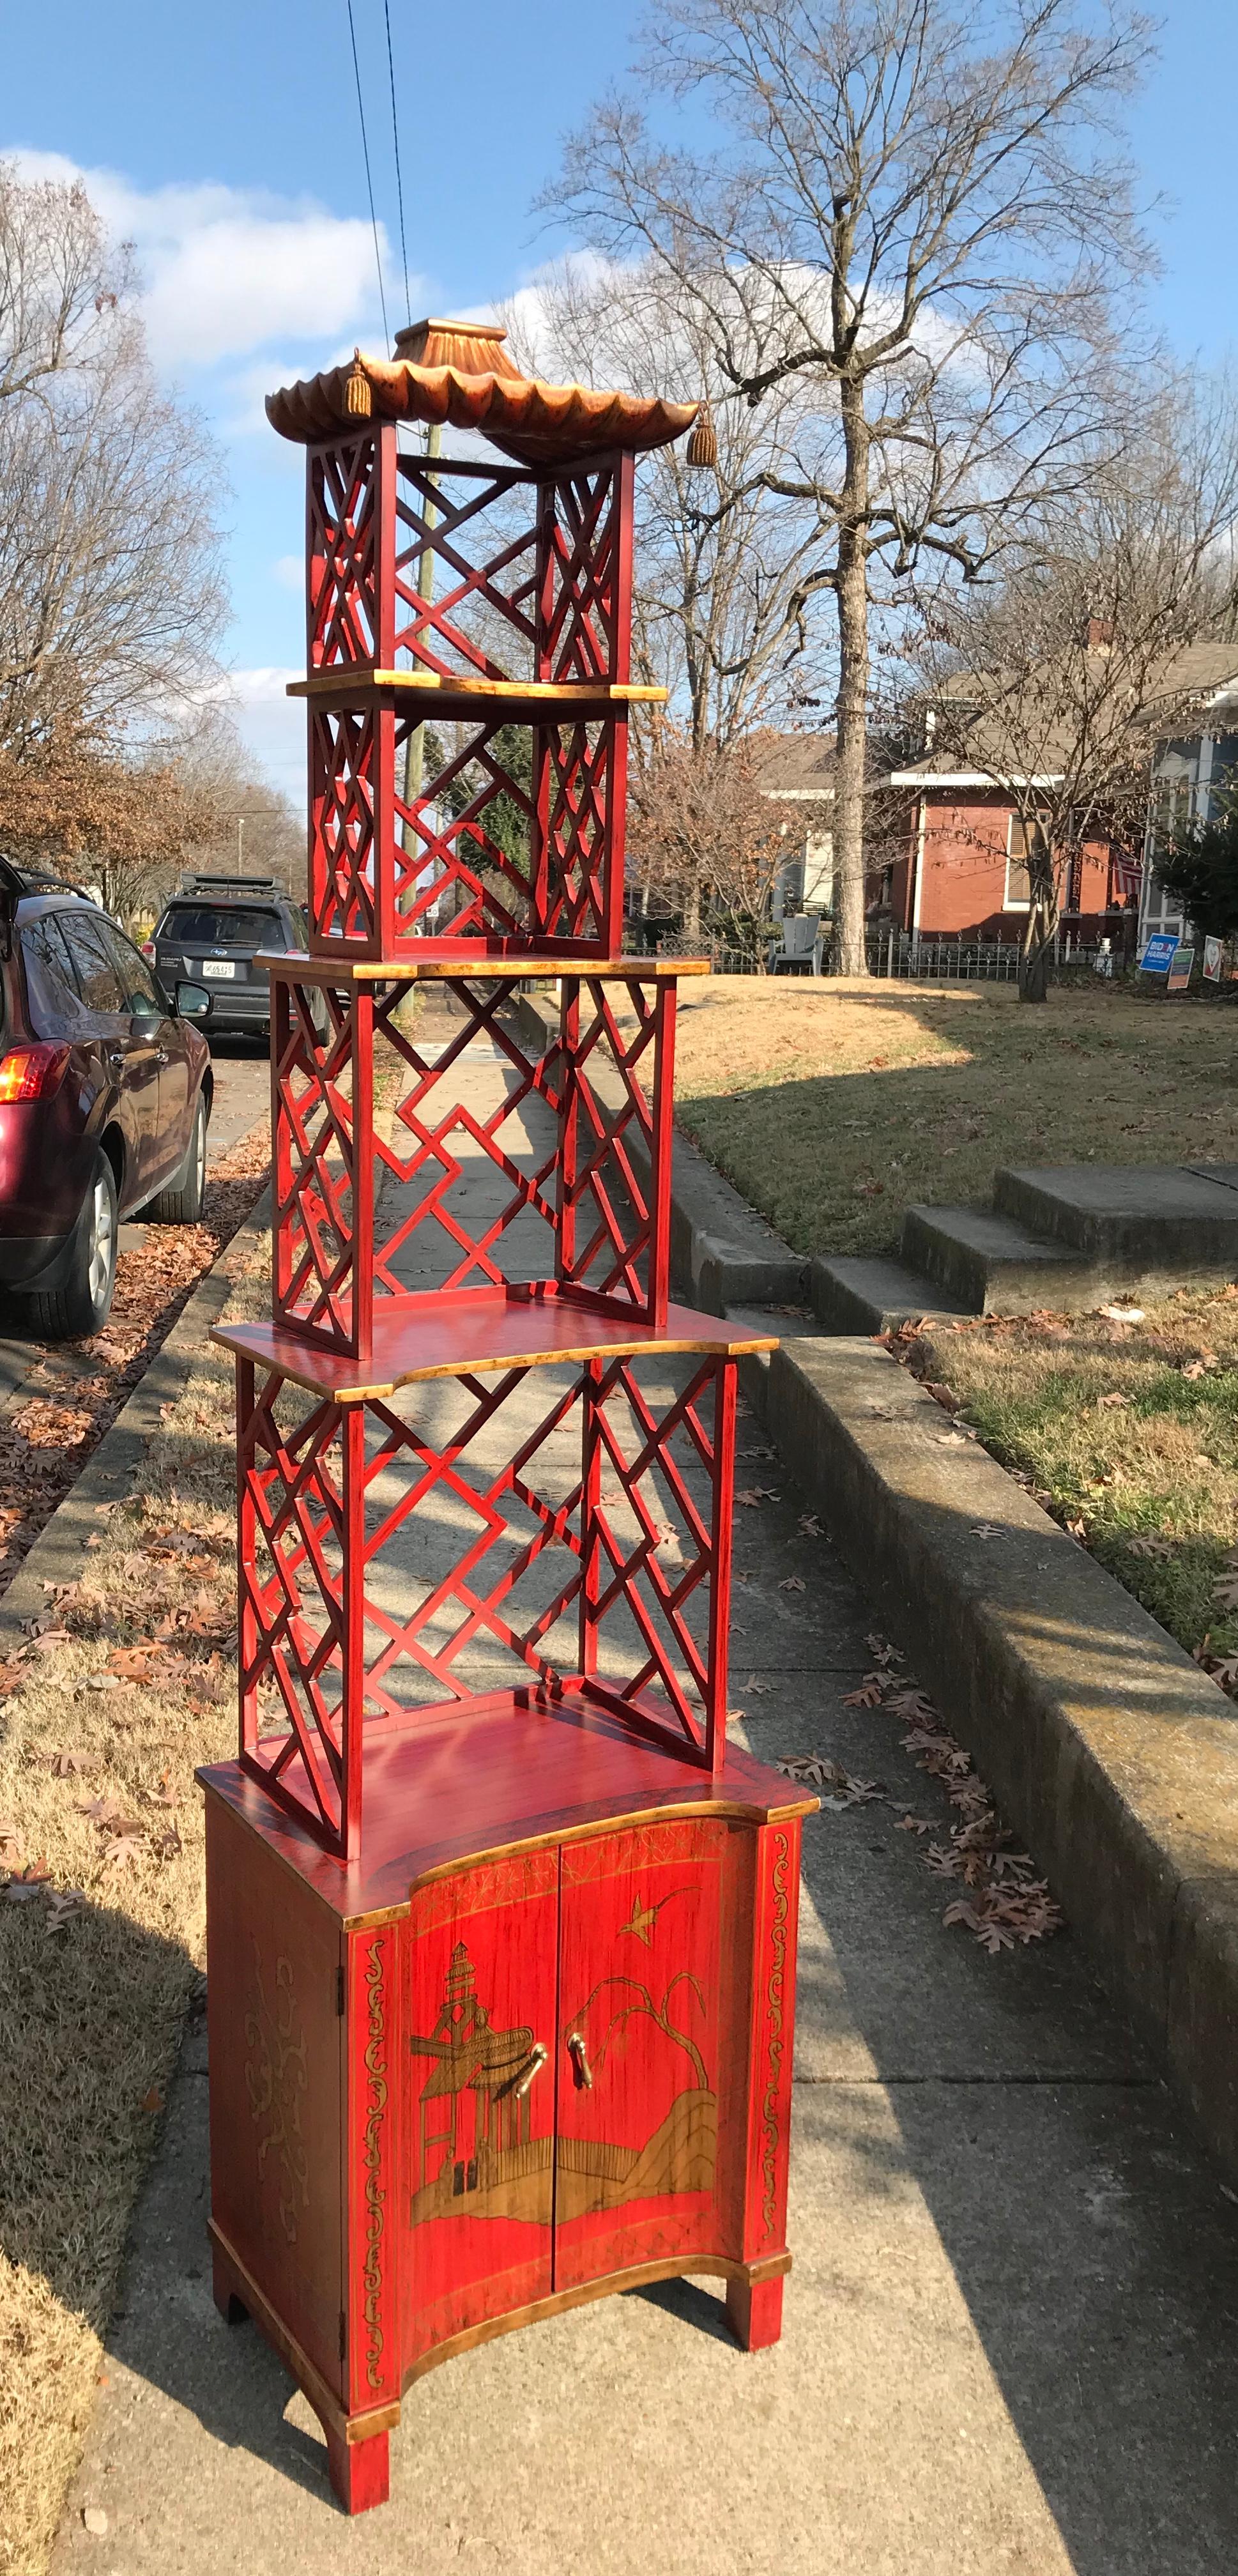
x=899, y=953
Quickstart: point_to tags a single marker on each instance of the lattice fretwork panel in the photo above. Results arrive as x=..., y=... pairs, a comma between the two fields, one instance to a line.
x=314, y=1053
x=582, y=771
x=569, y=1526
x=585, y=606
x=463, y=864
x=344, y=540
x=472, y=1159
x=464, y=570
x=512, y=837
x=349, y=821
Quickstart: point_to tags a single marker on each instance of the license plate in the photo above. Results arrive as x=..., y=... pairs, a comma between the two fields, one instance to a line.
x=219, y=966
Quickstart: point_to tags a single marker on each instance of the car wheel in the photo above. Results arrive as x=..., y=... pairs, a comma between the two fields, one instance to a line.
x=180, y=1200
x=80, y=1305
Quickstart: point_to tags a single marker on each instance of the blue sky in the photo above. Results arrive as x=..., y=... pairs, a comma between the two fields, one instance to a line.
x=224, y=142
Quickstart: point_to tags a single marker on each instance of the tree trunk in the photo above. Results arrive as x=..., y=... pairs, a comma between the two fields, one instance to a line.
x=851, y=748
x=1039, y=931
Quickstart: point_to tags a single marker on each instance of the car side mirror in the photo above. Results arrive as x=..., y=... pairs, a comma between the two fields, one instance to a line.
x=194, y=1003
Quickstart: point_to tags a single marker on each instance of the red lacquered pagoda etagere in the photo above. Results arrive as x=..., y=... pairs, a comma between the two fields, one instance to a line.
x=501, y=1929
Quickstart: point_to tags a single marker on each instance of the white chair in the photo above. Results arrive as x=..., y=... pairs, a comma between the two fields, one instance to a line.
x=801, y=945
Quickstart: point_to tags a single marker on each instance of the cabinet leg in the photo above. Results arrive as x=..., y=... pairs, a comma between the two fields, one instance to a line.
x=754, y=2312
x=227, y=2297
x=360, y=2471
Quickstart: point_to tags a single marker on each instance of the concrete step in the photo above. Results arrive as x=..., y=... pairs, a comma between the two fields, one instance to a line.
x=992, y=1265
x=859, y=1294
x=1145, y=1225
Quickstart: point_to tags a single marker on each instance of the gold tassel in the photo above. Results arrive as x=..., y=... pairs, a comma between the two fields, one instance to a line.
x=358, y=400
x=703, y=442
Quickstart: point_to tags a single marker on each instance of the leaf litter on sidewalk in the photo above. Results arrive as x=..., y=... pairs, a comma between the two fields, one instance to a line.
x=1002, y=1900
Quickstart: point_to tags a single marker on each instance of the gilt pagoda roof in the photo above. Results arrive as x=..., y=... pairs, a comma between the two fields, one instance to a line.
x=459, y=375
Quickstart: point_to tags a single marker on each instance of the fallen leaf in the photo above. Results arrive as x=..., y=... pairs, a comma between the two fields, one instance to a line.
x=810, y=1525
x=152, y=2101
x=1225, y=1592
x=62, y=1904
x=867, y=1696
x=1112, y=1403
x=793, y=1583
x=942, y=1395
x=10, y=1846
x=914, y=1825
x=1123, y=1314
x=131, y=1663
x=1158, y=1547
x=987, y=1529
x=912, y=1708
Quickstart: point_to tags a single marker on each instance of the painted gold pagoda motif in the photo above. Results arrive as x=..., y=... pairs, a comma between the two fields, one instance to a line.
x=476, y=2155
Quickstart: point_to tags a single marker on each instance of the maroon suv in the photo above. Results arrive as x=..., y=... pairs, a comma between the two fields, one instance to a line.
x=105, y=1093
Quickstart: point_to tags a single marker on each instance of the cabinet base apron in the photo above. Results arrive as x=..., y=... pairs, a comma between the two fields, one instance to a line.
x=357, y=2456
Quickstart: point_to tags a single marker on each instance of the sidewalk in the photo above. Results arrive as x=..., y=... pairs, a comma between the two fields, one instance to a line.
x=1011, y=2331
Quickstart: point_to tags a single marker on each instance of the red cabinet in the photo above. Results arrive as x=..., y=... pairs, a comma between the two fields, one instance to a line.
x=545, y=2073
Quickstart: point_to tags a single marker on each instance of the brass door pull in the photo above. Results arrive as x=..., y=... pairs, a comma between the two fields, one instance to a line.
x=580, y=2061
x=537, y=2059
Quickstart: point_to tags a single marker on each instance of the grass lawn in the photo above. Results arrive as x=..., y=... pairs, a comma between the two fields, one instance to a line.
x=1128, y=1434
x=103, y=1716
x=831, y=1104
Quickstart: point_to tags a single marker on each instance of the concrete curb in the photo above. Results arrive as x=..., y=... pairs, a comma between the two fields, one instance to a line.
x=1104, y=1744
x=722, y=1253
x=58, y=1553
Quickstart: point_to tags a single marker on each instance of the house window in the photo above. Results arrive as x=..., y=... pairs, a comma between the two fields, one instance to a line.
x=1018, y=868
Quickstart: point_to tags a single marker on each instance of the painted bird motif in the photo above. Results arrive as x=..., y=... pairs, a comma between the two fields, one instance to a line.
x=644, y=1917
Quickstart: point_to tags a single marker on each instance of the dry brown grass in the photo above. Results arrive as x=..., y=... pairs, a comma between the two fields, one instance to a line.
x=93, y=1991
x=1128, y=1434
x=830, y=1105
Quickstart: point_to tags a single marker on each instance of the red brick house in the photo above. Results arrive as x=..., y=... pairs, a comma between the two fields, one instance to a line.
x=958, y=868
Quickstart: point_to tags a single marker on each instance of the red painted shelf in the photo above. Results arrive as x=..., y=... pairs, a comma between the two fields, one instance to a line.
x=477, y=1330
x=501, y=1773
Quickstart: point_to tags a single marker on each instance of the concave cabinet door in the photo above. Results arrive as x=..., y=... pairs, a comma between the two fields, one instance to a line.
x=648, y=2002
x=479, y=2060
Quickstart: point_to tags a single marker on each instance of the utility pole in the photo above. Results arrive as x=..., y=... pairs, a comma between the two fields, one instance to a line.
x=414, y=749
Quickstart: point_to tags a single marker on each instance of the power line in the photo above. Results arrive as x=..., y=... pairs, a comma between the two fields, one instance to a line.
x=365, y=148
x=399, y=183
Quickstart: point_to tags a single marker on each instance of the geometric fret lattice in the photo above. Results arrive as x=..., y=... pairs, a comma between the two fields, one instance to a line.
x=559, y=1177
x=468, y=571
x=506, y=829
x=489, y=848
x=449, y=1555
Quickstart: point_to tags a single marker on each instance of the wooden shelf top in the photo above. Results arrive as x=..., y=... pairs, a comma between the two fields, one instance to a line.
x=490, y=1775
x=474, y=1331
x=346, y=683
x=439, y=965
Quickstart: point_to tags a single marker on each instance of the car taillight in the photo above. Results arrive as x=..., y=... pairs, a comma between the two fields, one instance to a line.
x=32, y=1072
x=148, y=948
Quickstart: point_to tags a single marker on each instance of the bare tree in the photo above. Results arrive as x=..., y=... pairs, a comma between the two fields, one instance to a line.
x=912, y=212
x=1059, y=680
x=708, y=838
x=720, y=559
x=110, y=589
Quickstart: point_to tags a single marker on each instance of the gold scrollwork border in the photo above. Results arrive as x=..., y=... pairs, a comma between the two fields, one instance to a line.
x=773, y=2003
x=372, y=2156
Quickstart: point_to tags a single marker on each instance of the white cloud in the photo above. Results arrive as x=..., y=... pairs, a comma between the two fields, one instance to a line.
x=228, y=271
